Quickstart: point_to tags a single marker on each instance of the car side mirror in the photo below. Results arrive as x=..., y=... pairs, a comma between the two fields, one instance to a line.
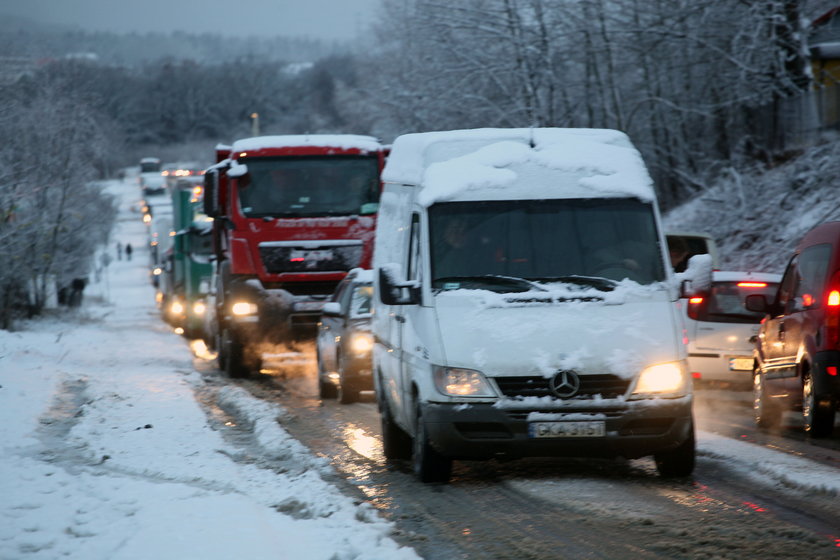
x=332, y=309
x=394, y=289
x=757, y=303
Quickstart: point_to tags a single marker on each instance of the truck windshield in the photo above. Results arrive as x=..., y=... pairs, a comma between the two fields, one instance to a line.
x=578, y=241
x=310, y=186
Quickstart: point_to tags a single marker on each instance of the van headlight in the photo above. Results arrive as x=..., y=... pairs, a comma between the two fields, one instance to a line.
x=199, y=307
x=361, y=343
x=460, y=382
x=662, y=380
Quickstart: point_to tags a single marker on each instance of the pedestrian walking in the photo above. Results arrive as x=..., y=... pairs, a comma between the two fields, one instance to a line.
x=119, y=251
x=128, y=251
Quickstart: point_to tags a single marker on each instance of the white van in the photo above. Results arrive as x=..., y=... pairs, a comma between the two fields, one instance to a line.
x=524, y=304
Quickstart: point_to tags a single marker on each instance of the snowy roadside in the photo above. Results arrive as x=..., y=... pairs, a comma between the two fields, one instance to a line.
x=108, y=454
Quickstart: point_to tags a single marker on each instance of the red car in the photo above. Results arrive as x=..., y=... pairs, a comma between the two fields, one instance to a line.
x=797, y=354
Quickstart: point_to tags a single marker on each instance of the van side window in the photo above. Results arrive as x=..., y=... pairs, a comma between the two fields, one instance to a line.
x=812, y=269
x=413, y=268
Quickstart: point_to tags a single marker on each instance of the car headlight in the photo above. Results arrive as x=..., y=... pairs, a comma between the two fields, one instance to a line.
x=199, y=308
x=243, y=308
x=176, y=308
x=461, y=382
x=361, y=343
x=662, y=380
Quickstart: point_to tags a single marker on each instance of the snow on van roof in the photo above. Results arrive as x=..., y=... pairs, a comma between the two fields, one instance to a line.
x=340, y=141
x=448, y=164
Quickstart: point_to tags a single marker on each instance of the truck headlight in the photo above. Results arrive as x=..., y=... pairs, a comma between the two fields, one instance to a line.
x=662, y=380
x=461, y=382
x=361, y=343
x=199, y=308
x=243, y=308
x=176, y=307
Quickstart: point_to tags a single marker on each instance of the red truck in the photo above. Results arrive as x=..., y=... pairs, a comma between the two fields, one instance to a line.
x=291, y=216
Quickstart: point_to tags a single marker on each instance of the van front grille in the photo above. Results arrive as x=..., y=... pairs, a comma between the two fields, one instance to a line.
x=607, y=385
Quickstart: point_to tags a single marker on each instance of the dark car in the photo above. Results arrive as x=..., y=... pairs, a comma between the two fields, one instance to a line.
x=797, y=353
x=344, y=341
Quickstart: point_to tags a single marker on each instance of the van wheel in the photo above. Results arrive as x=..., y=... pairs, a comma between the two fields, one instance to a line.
x=817, y=413
x=429, y=465
x=767, y=414
x=396, y=444
x=679, y=461
x=347, y=392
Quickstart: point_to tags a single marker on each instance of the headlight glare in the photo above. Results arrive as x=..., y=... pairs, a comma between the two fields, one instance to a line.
x=176, y=308
x=199, y=308
x=242, y=308
x=461, y=382
x=668, y=379
x=361, y=343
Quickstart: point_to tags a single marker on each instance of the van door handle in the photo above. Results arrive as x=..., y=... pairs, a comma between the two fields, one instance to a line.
x=399, y=318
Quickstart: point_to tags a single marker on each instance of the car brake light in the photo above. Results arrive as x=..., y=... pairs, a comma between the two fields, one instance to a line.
x=832, y=312
x=694, y=304
x=833, y=298
x=752, y=284
x=832, y=370
x=297, y=259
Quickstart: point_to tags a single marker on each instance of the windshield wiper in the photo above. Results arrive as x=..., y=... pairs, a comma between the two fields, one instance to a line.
x=597, y=282
x=490, y=281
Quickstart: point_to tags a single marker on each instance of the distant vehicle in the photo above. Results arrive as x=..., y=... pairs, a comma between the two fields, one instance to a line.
x=152, y=184
x=173, y=172
x=524, y=303
x=344, y=342
x=695, y=243
x=721, y=330
x=797, y=355
x=149, y=164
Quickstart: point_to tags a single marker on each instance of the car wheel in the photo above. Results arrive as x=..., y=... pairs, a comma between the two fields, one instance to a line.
x=767, y=414
x=396, y=444
x=326, y=390
x=429, y=465
x=679, y=461
x=233, y=362
x=817, y=413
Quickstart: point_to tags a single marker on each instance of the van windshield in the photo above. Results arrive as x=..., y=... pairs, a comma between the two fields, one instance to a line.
x=310, y=186
x=577, y=241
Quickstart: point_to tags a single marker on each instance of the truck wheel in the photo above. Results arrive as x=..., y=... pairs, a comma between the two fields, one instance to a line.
x=816, y=412
x=396, y=444
x=679, y=461
x=767, y=414
x=429, y=465
x=233, y=362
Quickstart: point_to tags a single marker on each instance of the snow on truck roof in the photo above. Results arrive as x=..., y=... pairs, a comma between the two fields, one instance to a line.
x=449, y=164
x=339, y=141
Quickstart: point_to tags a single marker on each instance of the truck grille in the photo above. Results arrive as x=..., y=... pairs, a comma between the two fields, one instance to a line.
x=309, y=256
x=606, y=385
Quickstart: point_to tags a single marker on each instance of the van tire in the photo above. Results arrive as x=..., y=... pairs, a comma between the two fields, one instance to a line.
x=396, y=444
x=677, y=462
x=429, y=465
x=817, y=413
x=347, y=391
x=767, y=413
x=326, y=390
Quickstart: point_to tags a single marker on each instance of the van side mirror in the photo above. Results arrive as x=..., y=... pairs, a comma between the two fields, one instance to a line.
x=697, y=277
x=396, y=290
x=757, y=303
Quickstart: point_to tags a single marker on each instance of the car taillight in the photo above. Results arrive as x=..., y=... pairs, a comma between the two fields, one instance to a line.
x=694, y=305
x=752, y=284
x=832, y=312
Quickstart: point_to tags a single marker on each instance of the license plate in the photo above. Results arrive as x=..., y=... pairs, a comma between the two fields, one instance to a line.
x=312, y=256
x=740, y=364
x=567, y=429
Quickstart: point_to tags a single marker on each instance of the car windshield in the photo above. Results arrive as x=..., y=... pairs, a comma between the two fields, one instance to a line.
x=310, y=186
x=585, y=242
x=725, y=302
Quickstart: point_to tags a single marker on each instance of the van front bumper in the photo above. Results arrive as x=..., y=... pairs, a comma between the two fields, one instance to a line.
x=483, y=431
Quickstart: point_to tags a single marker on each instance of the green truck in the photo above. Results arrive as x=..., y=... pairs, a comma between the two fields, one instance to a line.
x=187, y=269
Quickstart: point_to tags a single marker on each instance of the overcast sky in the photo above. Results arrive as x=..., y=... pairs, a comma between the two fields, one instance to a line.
x=322, y=19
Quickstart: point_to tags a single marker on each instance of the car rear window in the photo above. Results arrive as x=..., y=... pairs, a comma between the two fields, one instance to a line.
x=724, y=303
